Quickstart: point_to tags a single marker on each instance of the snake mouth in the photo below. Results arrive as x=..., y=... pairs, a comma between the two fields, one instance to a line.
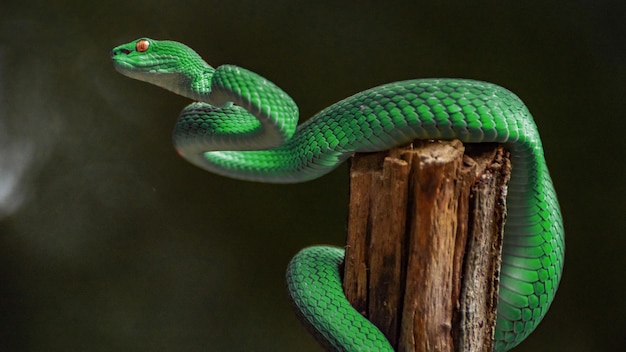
x=124, y=60
x=119, y=57
x=123, y=67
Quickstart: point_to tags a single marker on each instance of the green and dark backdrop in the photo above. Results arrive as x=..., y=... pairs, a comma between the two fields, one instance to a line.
x=111, y=242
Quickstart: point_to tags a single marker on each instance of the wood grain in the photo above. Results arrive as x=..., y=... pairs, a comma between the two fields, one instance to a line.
x=424, y=241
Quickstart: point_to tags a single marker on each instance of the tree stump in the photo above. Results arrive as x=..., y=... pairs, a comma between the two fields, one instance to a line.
x=424, y=243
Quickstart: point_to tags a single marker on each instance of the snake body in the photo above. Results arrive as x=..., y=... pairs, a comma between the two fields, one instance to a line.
x=244, y=126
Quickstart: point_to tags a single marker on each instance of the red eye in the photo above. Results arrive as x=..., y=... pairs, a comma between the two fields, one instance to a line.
x=142, y=45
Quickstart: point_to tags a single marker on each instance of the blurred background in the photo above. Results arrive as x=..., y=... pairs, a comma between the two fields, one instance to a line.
x=111, y=242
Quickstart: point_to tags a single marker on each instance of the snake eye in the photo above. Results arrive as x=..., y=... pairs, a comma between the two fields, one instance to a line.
x=142, y=45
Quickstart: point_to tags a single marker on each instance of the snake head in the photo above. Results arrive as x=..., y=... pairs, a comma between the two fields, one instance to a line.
x=167, y=64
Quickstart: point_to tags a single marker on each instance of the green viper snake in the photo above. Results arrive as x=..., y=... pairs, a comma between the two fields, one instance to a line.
x=243, y=126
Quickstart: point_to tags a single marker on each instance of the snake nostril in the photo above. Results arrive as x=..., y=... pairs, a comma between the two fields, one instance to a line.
x=120, y=51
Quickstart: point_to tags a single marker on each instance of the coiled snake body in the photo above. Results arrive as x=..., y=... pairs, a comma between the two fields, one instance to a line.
x=244, y=126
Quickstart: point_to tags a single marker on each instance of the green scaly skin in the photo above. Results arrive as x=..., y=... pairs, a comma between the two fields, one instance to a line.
x=244, y=126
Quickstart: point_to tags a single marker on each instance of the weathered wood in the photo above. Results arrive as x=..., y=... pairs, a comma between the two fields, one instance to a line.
x=476, y=318
x=408, y=229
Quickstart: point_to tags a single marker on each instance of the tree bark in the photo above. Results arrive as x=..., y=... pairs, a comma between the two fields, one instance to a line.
x=424, y=243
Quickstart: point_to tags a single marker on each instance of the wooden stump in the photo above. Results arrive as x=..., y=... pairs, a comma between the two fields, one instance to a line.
x=424, y=243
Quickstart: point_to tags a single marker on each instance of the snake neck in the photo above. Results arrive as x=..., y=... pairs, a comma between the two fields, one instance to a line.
x=236, y=110
x=194, y=83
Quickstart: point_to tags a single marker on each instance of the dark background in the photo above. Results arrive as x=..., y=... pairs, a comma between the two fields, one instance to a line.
x=110, y=242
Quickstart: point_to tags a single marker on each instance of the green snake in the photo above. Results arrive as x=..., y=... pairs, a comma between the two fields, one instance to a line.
x=244, y=126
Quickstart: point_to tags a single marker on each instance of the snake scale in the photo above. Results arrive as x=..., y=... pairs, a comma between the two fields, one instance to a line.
x=243, y=126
